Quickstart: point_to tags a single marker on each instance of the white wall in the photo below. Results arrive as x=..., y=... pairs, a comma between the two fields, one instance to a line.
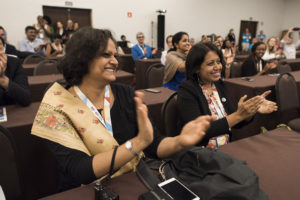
x=196, y=17
x=292, y=14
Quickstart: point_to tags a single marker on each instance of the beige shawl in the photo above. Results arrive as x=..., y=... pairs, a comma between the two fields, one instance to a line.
x=173, y=60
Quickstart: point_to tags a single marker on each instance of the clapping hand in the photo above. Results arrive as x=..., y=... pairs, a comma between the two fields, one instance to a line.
x=267, y=106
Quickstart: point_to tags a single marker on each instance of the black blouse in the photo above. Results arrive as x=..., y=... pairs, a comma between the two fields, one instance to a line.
x=76, y=167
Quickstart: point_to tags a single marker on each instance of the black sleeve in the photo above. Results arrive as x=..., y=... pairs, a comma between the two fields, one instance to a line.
x=248, y=68
x=18, y=88
x=75, y=166
x=189, y=109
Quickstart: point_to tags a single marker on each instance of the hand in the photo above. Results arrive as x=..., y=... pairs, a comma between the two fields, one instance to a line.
x=154, y=51
x=247, y=109
x=194, y=131
x=271, y=65
x=3, y=63
x=145, y=51
x=267, y=106
x=145, y=134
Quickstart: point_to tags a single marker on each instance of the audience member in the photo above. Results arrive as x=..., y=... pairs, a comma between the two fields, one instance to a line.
x=204, y=39
x=40, y=27
x=31, y=43
x=141, y=50
x=254, y=64
x=231, y=37
x=219, y=42
x=13, y=80
x=204, y=93
x=253, y=41
x=49, y=31
x=228, y=55
x=75, y=124
x=55, y=49
x=76, y=26
x=261, y=37
x=60, y=29
x=290, y=44
x=8, y=48
x=69, y=29
x=271, y=51
x=246, y=38
x=175, y=61
x=164, y=53
x=192, y=41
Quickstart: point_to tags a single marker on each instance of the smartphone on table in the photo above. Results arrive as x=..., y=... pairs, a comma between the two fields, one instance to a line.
x=152, y=90
x=176, y=190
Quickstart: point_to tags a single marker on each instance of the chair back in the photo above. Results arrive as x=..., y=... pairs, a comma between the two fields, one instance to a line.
x=286, y=92
x=283, y=67
x=126, y=63
x=46, y=67
x=9, y=172
x=170, y=116
x=236, y=70
x=34, y=59
x=155, y=75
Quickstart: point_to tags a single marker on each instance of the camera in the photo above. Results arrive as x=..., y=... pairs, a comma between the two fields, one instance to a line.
x=296, y=29
x=104, y=193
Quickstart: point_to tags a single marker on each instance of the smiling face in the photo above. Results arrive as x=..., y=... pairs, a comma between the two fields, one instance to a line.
x=103, y=68
x=31, y=34
x=140, y=38
x=210, y=69
x=183, y=45
x=260, y=50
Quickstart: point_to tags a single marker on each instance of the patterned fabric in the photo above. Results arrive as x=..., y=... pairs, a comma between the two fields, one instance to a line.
x=63, y=118
x=214, y=103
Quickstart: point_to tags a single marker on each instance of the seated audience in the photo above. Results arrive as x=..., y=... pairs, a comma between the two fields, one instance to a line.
x=31, y=43
x=254, y=64
x=48, y=28
x=40, y=27
x=175, y=61
x=204, y=93
x=55, y=49
x=60, y=29
x=192, y=41
x=13, y=80
x=69, y=30
x=271, y=51
x=219, y=42
x=290, y=44
x=8, y=48
x=141, y=50
x=228, y=55
x=75, y=123
x=164, y=53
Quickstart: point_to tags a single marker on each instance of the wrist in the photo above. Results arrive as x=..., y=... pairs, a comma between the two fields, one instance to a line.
x=239, y=116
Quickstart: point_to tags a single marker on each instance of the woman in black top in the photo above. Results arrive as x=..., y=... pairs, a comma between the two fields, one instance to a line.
x=204, y=93
x=81, y=138
x=254, y=64
x=13, y=80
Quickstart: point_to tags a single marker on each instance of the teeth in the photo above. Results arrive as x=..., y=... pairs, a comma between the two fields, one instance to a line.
x=110, y=70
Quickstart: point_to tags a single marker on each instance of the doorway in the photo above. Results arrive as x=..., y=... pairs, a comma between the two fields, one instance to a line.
x=252, y=26
x=63, y=14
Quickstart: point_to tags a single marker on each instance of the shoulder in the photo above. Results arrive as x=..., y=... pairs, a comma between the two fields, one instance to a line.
x=188, y=86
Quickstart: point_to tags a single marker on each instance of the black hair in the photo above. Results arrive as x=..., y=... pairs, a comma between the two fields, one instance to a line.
x=85, y=45
x=48, y=19
x=1, y=27
x=122, y=36
x=254, y=47
x=196, y=57
x=176, y=38
x=29, y=28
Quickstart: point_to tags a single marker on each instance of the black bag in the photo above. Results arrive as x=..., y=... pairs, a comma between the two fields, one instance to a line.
x=212, y=175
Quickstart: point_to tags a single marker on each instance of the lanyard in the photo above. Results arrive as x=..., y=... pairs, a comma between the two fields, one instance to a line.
x=142, y=51
x=107, y=119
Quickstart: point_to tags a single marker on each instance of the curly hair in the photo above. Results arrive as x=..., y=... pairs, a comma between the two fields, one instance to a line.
x=85, y=45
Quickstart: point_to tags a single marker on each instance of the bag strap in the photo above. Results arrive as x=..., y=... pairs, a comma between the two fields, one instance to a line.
x=111, y=169
x=146, y=175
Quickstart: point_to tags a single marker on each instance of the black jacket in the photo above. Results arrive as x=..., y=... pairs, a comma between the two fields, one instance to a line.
x=192, y=103
x=18, y=89
x=10, y=49
x=249, y=67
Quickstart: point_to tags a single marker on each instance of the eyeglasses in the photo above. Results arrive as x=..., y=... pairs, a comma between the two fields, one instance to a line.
x=140, y=37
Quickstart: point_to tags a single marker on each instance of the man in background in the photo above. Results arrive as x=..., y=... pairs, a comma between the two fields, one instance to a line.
x=141, y=50
x=32, y=44
x=165, y=52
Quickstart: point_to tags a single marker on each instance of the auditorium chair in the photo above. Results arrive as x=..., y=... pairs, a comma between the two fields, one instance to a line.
x=155, y=75
x=236, y=70
x=33, y=59
x=170, y=118
x=46, y=67
x=287, y=97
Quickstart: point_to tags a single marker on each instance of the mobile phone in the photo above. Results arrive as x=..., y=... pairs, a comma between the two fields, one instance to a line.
x=176, y=190
x=296, y=29
x=247, y=79
x=152, y=90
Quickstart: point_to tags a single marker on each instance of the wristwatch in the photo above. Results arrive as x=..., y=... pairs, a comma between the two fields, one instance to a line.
x=128, y=145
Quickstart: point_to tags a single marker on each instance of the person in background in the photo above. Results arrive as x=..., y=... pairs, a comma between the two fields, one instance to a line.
x=76, y=26
x=48, y=28
x=203, y=38
x=55, y=49
x=254, y=64
x=204, y=93
x=219, y=42
x=228, y=55
x=8, y=48
x=174, y=72
x=141, y=50
x=75, y=123
x=60, y=29
x=69, y=30
x=39, y=27
x=261, y=37
x=253, y=41
x=272, y=52
x=231, y=37
x=31, y=43
x=246, y=38
x=165, y=52
x=14, y=87
x=291, y=44
x=192, y=41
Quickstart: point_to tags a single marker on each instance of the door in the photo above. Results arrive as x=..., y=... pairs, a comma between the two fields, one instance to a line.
x=63, y=14
x=251, y=25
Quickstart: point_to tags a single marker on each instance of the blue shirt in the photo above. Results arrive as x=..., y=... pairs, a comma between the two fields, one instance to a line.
x=261, y=37
x=174, y=83
x=26, y=45
x=246, y=39
x=138, y=53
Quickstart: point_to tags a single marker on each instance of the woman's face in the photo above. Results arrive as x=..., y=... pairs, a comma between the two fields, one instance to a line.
x=183, y=45
x=59, y=24
x=103, y=68
x=260, y=50
x=272, y=42
x=228, y=44
x=210, y=69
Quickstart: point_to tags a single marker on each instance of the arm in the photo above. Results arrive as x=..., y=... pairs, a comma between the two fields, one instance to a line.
x=136, y=53
x=286, y=36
